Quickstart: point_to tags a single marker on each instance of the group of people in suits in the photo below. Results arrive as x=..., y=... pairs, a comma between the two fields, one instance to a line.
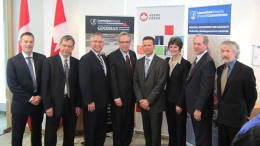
x=60, y=85
x=190, y=87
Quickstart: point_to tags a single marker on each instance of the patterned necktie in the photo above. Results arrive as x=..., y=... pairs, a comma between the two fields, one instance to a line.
x=102, y=63
x=127, y=60
x=193, y=65
x=146, y=67
x=30, y=66
x=66, y=70
x=224, y=78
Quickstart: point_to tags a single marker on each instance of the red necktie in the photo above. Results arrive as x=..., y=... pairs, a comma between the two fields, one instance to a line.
x=127, y=60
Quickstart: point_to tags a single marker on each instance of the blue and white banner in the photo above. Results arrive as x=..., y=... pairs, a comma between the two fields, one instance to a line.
x=210, y=20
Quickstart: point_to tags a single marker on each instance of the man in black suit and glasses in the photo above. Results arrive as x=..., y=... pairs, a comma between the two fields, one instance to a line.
x=121, y=64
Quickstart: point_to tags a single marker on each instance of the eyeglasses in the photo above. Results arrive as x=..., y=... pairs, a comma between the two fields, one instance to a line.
x=65, y=46
x=96, y=41
x=124, y=42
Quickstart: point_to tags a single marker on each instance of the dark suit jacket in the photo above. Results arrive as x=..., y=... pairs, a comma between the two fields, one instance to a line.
x=93, y=82
x=20, y=82
x=53, y=84
x=175, y=89
x=121, y=78
x=239, y=95
x=200, y=86
x=151, y=88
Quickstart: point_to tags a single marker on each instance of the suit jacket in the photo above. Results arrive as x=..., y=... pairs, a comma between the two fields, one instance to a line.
x=239, y=95
x=93, y=82
x=121, y=78
x=175, y=89
x=151, y=87
x=53, y=84
x=20, y=82
x=200, y=86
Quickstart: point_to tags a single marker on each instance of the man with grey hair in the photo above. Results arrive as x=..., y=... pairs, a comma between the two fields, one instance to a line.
x=121, y=65
x=60, y=93
x=236, y=91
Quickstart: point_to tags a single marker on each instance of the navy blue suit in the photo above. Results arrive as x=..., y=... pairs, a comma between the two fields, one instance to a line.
x=20, y=83
x=94, y=87
x=199, y=95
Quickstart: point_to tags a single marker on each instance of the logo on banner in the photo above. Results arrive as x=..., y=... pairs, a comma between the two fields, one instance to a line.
x=93, y=22
x=143, y=16
x=193, y=15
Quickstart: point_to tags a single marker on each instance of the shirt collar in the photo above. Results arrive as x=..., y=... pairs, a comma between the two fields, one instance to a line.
x=95, y=52
x=25, y=55
x=231, y=65
x=150, y=57
x=63, y=58
x=200, y=56
x=124, y=53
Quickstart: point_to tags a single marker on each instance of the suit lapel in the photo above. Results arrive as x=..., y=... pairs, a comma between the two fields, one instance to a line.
x=152, y=65
x=236, y=69
x=197, y=65
x=59, y=64
x=24, y=64
x=36, y=64
x=72, y=65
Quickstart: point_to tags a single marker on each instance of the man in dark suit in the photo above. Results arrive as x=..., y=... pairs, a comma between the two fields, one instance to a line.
x=26, y=89
x=60, y=93
x=93, y=79
x=121, y=64
x=236, y=91
x=199, y=91
x=149, y=80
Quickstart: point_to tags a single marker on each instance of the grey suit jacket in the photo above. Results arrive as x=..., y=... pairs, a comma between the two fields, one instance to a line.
x=200, y=86
x=151, y=87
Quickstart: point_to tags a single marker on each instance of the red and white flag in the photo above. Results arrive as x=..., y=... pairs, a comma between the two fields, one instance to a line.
x=24, y=22
x=60, y=28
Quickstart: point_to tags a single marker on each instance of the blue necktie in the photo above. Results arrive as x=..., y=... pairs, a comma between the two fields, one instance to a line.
x=30, y=66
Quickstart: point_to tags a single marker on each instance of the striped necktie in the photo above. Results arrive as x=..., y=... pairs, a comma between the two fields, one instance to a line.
x=101, y=61
x=66, y=70
x=146, y=67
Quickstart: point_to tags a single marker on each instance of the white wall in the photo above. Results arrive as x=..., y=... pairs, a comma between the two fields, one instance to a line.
x=244, y=22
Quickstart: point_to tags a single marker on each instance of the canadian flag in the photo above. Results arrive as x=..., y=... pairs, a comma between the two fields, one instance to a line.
x=24, y=22
x=60, y=28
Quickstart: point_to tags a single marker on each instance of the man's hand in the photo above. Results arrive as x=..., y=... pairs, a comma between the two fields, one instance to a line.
x=49, y=112
x=118, y=102
x=144, y=104
x=197, y=115
x=35, y=100
x=178, y=109
x=91, y=107
x=77, y=111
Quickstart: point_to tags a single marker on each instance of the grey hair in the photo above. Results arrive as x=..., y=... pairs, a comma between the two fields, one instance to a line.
x=122, y=34
x=234, y=46
x=205, y=38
